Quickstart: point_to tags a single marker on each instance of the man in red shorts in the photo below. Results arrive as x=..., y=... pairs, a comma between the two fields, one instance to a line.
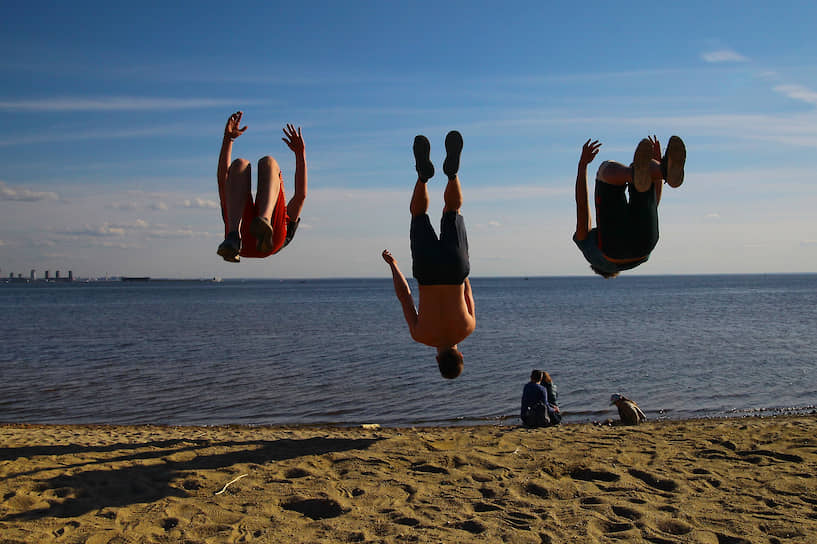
x=260, y=228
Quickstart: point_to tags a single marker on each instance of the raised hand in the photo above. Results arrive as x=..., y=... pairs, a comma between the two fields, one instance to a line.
x=231, y=130
x=294, y=139
x=589, y=152
x=387, y=256
x=656, y=147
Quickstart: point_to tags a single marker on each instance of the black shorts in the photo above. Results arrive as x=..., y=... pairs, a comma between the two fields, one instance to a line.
x=626, y=230
x=442, y=261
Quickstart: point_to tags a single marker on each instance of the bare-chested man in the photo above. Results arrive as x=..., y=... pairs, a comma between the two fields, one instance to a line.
x=445, y=315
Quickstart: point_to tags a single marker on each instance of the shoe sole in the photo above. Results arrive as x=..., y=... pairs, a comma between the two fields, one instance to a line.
x=422, y=157
x=676, y=158
x=228, y=254
x=642, y=159
x=453, y=148
x=262, y=231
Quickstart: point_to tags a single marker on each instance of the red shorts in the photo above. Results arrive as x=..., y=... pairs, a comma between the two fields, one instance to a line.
x=279, y=227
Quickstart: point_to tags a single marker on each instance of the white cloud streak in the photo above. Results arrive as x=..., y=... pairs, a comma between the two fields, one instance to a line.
x=798, y=92
x=201, y=203
x=723, y=55
x=25, y=195
x=114, y=103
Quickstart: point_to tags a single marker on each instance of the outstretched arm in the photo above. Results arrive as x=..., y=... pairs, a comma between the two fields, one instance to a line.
x=401, y=289
x=469, y=298
x=583, y=221
x=231, y=132
x=295, y=142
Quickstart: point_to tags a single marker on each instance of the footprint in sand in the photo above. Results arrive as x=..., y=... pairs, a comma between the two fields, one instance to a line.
x=315, y=508
x=654, y=481
x=589, y=475
x=472, y=526
x=629, y=513
x=520, y=520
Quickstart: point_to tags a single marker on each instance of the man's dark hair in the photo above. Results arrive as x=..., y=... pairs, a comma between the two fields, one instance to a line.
x=536, y=376
x=602, y=273
x=450, y=363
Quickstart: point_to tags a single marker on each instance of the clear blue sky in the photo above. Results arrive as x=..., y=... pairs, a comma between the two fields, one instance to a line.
x=112, y=117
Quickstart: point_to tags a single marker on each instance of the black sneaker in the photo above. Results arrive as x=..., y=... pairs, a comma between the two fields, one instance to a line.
x=422, y=159
x=453, y=148
x=672, y=165
x=230, y=248
x=642, y=160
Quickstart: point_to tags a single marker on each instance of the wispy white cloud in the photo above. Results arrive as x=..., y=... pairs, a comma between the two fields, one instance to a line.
x=123, y=206
x=113, y=103
x=798, y=92
x=200, y=203
x=723, y=55
x=20, y=194
x=158, y=206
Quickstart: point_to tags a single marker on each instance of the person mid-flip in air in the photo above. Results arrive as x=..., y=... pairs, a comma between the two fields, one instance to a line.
x=259, y=228
x=626, y=230
x=445, y=315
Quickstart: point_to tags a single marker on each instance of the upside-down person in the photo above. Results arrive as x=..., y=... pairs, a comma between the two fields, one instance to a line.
x=261, y=227
x=445, y=315
x=627, y=200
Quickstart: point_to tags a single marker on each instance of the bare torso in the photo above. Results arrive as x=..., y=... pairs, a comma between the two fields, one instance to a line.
x=443, y=316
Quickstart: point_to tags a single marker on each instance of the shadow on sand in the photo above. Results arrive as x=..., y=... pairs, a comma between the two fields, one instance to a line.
x=88, y=490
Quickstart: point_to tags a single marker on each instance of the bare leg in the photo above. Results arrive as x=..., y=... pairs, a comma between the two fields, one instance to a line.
x=269, y=186
x=616, y=173
x=238, y=187
x=453, y=195
x=419, y=199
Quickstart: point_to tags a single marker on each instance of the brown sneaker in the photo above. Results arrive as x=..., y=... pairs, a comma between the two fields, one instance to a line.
x=262, y=230
x=673, y=163
x=642, y=160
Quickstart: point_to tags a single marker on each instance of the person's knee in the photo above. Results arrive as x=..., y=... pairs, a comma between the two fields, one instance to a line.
x=239, y=166
x=269, y=164
x=603, y=170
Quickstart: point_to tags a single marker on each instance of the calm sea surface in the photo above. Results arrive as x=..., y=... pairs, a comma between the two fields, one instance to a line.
x=338, y=351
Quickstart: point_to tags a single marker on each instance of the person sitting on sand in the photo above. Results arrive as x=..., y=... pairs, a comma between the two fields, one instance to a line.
x=261, y=228
x=626, y=231
x=553, y=398
x=536, y=410
x=445, y=315
x=628, y=410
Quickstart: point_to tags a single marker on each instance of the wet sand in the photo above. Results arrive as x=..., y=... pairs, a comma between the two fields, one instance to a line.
x=730, y=481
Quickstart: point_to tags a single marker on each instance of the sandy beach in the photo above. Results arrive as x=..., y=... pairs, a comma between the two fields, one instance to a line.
x=728, y=481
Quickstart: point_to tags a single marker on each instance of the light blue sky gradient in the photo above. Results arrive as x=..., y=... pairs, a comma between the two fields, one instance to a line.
x=112, y=117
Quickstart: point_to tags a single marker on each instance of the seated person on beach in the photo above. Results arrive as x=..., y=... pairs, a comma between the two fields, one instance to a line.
x=553, y=398
x=627, y=230
x=628, y=410
x=261, y=228
x=536, y=410
x=445, y=315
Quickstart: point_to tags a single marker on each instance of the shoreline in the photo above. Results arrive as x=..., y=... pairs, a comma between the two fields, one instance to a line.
x=737, y=480
x=508, y=421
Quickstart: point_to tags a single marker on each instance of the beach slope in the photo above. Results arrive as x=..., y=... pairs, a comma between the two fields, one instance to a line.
x=728, y=481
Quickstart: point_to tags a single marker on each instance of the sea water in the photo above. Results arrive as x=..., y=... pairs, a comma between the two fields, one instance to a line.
x=339, y=351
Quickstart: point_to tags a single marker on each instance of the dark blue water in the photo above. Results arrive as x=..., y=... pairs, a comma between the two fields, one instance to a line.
x=338, y=351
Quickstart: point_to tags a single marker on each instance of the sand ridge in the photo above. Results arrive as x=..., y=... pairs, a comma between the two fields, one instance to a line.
x=731, y=481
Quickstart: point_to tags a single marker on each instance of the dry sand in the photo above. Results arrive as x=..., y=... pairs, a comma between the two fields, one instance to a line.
x=715, y=481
